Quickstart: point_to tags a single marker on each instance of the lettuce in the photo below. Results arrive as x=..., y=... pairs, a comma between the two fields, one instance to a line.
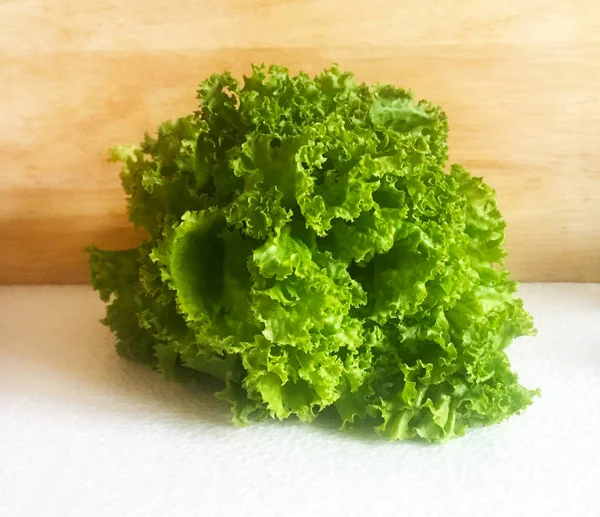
x=307, y=248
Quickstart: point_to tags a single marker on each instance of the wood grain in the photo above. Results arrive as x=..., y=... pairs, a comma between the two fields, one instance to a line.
x=519, y=83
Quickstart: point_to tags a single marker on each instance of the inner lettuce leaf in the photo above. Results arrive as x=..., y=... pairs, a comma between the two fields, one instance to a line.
x=307, y=247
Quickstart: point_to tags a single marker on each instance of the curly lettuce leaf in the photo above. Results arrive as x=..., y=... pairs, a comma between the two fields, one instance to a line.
x=307, y=248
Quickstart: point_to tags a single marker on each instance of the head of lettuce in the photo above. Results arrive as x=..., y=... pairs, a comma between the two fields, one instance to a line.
x=307, y=247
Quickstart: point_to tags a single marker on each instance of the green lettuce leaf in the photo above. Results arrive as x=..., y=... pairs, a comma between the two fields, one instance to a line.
x=307, y=248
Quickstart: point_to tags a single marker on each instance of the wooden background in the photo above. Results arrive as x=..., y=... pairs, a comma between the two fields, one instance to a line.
x=520, y=81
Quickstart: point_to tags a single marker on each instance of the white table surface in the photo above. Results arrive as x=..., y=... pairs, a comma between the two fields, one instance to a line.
x=85, y=433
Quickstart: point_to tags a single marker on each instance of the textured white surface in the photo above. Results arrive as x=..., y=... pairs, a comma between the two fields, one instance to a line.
x=84, y=433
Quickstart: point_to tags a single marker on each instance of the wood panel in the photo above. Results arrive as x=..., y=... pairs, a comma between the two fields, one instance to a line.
x=519, y=83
